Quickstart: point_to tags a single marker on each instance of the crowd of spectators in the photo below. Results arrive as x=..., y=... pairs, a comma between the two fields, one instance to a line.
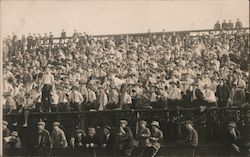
x=149, y=71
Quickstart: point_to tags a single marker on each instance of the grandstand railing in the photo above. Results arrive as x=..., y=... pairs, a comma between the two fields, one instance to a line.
x=181, y=33
x=208, y=146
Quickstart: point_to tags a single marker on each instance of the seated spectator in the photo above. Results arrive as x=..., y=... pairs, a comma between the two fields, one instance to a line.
x=58, y=138
x=154, y=141
x=42, y=140
x=77, y=141
x=232, y=137
x=108, y=139
x=192, y=135
x=143, y=136
x=126, y=142
x=12, y=141
x=209, y=97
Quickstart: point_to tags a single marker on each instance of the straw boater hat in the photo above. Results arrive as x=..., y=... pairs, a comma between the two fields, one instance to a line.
x=143, y=122
x=79, y=131
x=155, y=123
x=232, y=124
x=5, y=123
x=14, y=133
x=41, y=123
x=56, y=124
x=124, y=122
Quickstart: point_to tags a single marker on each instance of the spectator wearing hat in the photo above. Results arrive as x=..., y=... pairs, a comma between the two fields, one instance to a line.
x=191, y=138
x=143, y=135
x=5, y=129
x=48, y=83
x=12, y=141
x=76, y=99
x=91, y=141
x=222, y=93
x=58, y=138
x=10, y=104
x=125, y=139
x=192, y=135
x=43, y=140
x=108, y=140
x=232, y=137
x=238, y=24
x=154, y=141
x=217, y=26
x=77, y=141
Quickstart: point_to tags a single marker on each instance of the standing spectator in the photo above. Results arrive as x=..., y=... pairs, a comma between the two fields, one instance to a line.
x=222, y=93
x=125, y=139
x=102, y=99
x=224, y=25
x=230, y=25
x=76, y=99
x=217, y=26
x=232, y=137
x=63, y=36
x=45, y=39
x=113, y=98
x=154, y=141
x=48, y=83
x=29, y=41
x=28, y=105
x=50, y=38
x=64, y=104
x=238, y=24
x=58, y=138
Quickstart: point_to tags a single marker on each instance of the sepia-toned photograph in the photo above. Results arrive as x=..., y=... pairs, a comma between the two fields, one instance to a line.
x=123, y=78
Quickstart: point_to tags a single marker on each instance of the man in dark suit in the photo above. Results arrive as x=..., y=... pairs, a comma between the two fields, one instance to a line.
x=91, y=141
x=108, y=140
x=222, y=93
x=43, y=140
x=232, y=137
x=125, y=139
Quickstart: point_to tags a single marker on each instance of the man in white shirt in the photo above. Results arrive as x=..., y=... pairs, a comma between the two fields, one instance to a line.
x=209, y=96
x=76, y=99
x=48, y=83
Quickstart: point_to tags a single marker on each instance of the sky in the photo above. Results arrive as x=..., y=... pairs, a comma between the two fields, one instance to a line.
x=117, y=17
